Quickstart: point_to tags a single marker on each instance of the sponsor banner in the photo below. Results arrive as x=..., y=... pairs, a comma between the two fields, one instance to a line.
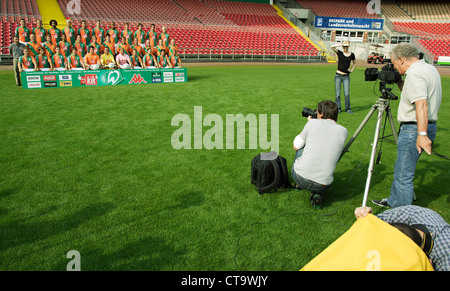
x=89, y=78
x=33, y=78
x=50, y=84
x=339, y=23
x=49, y=77
x=33, y=85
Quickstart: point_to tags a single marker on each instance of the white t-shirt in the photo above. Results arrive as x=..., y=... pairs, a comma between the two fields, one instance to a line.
x=422, y=82
x=323, y=141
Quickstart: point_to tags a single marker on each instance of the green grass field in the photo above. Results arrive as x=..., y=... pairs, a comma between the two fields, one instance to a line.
x=94, y=170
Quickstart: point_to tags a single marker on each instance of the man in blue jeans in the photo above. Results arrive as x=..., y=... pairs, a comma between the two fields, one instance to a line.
x=417, y=113
x=318, y=148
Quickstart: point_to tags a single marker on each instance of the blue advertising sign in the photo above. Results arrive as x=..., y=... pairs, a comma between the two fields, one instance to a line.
x=349, y=23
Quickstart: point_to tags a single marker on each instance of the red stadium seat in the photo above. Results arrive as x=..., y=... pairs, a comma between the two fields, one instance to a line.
x=207, y=24
x=422, y=28
x=338, y=8
x=437, y=47
x=216, y=25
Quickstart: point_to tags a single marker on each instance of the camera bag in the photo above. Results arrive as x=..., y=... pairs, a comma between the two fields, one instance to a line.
x=269, y=172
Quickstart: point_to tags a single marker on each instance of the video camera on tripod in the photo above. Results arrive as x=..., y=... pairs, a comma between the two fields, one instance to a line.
x=387, y=75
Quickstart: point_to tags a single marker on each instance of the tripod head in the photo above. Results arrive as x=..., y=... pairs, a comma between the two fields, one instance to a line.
x=386, y=92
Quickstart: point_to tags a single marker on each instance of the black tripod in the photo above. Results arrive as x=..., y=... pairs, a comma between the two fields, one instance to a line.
x=382, y=106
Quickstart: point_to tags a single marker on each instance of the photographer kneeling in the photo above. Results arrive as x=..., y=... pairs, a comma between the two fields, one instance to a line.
x=318, y=148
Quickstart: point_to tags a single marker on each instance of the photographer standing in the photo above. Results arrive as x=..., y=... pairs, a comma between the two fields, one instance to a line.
x=417, y=114
x=318, y=148
x=342, y=76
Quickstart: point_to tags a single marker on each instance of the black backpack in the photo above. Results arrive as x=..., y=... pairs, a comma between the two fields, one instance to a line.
x=269, y=172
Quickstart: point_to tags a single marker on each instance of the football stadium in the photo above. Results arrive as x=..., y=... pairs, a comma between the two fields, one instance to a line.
x=224, y=135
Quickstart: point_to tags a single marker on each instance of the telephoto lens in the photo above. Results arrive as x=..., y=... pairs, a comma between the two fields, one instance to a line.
x=308, y=111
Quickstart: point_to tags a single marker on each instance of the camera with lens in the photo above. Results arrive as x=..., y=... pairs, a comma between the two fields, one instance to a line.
x=387, y=75
x=308, y=111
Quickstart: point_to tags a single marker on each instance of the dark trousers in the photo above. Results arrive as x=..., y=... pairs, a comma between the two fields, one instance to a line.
x=16, y=71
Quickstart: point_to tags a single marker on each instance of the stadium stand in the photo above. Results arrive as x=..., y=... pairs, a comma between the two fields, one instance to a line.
x=240, y=41
x=20, y=8
x=425, y=20
x=248, y=14
x=11, y=11
x=426, y=10
x=203, y=13
x=206, y=27
x=338, y=8
x=392, y=11
x=423, y=28
x=145, y=11
x=234, y=27
x=437, y=47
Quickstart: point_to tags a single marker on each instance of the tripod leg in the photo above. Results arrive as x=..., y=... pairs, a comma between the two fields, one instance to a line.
x=357, y=132
x=381, y=140
x=391, y=121
x=372, y=157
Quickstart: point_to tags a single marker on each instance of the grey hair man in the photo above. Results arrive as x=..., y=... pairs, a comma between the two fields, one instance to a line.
x=417, y=114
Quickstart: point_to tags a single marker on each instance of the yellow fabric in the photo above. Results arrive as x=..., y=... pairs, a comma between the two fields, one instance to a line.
x=373, y=245
x=49, y=10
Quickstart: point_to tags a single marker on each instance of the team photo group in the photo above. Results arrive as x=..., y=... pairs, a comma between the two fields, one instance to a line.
x=38, y=49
